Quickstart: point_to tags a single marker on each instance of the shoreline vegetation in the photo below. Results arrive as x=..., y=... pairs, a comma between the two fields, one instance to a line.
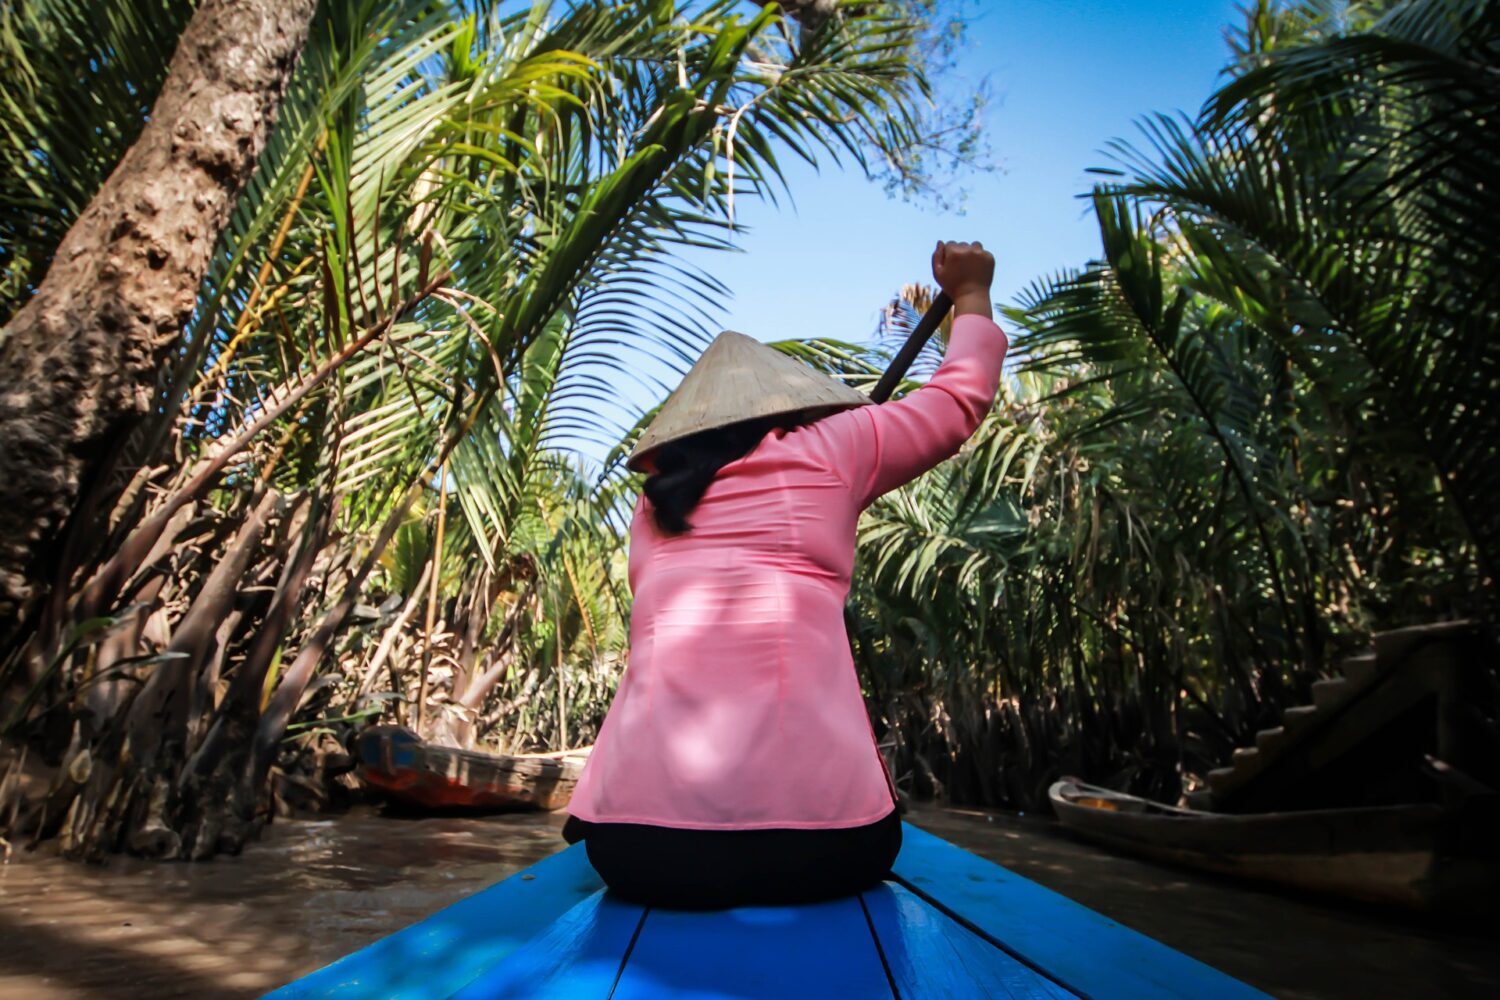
x=331, y=484
x=333, y=488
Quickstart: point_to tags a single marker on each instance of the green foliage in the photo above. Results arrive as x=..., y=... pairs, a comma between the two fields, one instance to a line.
x=1260, y=426
x=78, y=82
x=459, y=239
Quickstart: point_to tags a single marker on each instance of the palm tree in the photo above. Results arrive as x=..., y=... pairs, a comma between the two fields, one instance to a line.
x=1259, y=427
x=459, y=230
x=79, y=359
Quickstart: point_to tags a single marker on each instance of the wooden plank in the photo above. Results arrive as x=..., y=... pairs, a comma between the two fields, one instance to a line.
x=1076, y=947
x=577, y=958
x=436, y=956
x=773, y=952
x=932, y=957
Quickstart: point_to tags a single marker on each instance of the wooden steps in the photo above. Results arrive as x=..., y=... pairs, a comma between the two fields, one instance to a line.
x=1297, y=718
x=1331, y=691
x=1360, y=669
x=1270, y=740
x=1368, y=689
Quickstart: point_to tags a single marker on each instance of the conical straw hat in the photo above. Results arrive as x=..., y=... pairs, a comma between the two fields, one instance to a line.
x=739, y=378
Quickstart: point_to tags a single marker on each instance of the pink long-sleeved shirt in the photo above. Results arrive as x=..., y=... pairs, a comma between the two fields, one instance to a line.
x=740, y=707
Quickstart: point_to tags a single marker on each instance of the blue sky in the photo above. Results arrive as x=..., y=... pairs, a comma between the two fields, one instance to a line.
x=1066, y=77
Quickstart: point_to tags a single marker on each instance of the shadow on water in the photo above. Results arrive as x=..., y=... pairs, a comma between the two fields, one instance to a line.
x=311, y=891
x=1293, y=946
x=308, y=892
x=47, y=954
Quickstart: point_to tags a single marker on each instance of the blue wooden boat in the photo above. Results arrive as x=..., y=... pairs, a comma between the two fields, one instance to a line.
x=949, y=925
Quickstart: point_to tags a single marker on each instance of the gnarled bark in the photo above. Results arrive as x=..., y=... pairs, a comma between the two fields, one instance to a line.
x=810, y=14
x=79, y=362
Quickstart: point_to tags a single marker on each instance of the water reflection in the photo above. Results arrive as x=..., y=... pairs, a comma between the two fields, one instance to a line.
x=308, y=892
x=311, y=891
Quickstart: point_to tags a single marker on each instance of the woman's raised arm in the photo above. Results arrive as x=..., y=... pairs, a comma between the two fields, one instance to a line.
x=874, y=449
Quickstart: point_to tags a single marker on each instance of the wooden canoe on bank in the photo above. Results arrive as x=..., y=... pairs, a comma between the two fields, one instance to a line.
x=397, y=762
x=1386, y=854
x=948, y=926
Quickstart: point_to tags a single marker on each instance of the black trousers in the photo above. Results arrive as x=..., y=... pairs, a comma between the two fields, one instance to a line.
x=712, y=869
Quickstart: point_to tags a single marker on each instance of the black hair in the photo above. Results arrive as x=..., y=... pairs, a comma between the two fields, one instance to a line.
x=685, y=467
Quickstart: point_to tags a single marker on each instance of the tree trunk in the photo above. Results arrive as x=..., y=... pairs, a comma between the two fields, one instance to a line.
x=810, y=15
x=78, y=363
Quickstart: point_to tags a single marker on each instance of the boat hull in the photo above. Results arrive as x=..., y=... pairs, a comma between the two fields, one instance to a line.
x=1385, y=854
x=395, y=761
x=946, y=925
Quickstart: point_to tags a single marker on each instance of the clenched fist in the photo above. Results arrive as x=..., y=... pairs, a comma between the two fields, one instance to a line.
x=964, y=271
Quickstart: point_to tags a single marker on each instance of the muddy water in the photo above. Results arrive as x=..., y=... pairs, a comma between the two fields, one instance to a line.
x=1291, y=946
x=306, y=893
x=312, y=890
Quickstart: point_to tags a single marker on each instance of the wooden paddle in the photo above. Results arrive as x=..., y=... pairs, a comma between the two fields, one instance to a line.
x=924, y=330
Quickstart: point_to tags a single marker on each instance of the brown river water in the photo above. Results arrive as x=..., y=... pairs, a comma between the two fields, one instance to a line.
x=312, y=890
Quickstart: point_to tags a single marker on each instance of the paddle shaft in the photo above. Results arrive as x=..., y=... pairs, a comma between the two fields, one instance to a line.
x=924, y=330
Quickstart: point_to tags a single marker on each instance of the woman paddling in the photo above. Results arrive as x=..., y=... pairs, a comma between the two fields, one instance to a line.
x=736, y=765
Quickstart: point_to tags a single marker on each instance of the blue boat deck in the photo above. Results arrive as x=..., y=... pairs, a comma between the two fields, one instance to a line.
x=950, y=925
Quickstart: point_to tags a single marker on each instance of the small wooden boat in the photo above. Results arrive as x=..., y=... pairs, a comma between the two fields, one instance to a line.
x=947, y=925
x=1387, y=854
x=397, y=762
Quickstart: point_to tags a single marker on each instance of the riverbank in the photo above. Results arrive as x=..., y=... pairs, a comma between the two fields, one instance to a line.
x=313, y=890
x=1293, y=947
